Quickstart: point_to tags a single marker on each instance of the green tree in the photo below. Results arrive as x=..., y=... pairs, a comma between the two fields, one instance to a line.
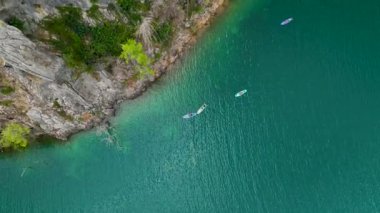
x=133, y=52
x=14, y=136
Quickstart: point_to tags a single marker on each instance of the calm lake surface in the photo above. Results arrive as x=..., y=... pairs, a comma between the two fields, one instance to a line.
x=305, y=138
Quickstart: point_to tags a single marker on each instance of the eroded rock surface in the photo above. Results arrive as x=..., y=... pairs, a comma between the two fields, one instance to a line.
x=55, y=102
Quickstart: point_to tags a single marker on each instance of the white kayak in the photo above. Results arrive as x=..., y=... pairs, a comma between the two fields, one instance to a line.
x=286, y=21
x=189, y=115
x=241, y=93
x=201, y=109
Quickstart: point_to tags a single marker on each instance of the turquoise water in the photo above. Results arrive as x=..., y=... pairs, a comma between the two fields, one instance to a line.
x=305, y=138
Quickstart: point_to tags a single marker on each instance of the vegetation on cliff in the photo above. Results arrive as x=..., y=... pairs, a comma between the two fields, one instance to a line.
x=84, y=39
x=14, y=136
x=81, y=44
x=163, y=32
x=132, y=9
x=133, y=53
x=5, y=93
x=89, y=39
x=6, y=90
x=16, y=22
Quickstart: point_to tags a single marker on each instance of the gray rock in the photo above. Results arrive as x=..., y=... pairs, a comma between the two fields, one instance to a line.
x=101, y=92
x=22, y=54
x=46, y=80
x=52, y=123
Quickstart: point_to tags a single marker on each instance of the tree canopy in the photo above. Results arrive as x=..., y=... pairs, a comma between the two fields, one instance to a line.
x=133, y=52
x=14, y=136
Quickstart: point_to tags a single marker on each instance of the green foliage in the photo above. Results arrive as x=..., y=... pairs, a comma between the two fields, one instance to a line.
x=56, y=104
x=82, y=45
x=192, y=6
x=16, y=22
x=133, y=52
x=197, y=8
x=133, y=9
x=128, y=5
x=6, y=90
x=61, y=112
x=6, y=103
x=14, y=136
x=94, y=12
x=64, y=115
x=111, y=7
x=107, y=37
x=163, y=33
x=70, y=32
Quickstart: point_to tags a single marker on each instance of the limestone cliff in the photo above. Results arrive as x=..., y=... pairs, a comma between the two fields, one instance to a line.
x=46, y=97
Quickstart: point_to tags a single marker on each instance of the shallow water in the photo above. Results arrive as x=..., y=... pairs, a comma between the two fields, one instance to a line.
x=305, y=138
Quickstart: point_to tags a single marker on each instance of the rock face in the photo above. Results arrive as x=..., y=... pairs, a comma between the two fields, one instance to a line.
x=47, y=97
x=35, y=10
x=55, y=101
x=22, y=54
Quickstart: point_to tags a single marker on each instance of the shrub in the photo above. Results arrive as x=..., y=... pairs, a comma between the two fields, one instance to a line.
x=133, y=9
x=16, y=22
x=64, y=115
x=70, y=32
x=111, y=7
x=6, y=90
x=106, y=38
x=56, y=105
x=94, y=12
x=133, y=52
x=82, y=45
x=192, y=6
x=14, y=136
x=163, y=33
x=6, y=103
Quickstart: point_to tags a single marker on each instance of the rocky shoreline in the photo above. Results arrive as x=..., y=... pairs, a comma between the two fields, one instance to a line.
x=184, y=40
x=51, y=103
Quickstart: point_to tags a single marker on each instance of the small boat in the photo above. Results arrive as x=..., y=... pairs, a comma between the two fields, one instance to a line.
x=240, y=93
x=201, y=109
x=189, y=115
x=286, y=21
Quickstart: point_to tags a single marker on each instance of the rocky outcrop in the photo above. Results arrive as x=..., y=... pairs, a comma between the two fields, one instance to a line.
x=55, y=102
x=22, y=54
x=48, y=98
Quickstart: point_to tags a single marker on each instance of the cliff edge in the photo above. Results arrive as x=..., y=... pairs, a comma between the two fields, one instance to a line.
x=42, y=91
